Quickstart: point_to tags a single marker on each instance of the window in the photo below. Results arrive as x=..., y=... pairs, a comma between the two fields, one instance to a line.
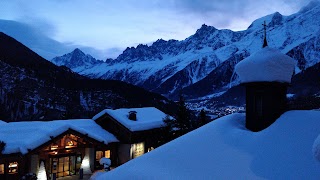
x=99, y=155
x=1, y=168
x=137, y=149
x=69, y=143
x=54, y=147
x=13, y=168
x=107, y=154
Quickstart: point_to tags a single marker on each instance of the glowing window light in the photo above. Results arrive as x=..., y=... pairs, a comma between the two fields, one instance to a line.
x=13, y=167
x=137, y=149
x=1, y=168
x=107, y=154
x=70, y=143
x=54, y=147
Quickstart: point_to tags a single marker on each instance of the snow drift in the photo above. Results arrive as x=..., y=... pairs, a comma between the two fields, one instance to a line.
x=225, y=149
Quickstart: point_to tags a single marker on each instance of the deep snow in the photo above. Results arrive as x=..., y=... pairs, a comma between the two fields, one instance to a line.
x=266, y=65
x=225, y=149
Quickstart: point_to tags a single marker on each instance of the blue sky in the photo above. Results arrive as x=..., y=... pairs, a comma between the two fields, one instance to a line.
x=113, y=25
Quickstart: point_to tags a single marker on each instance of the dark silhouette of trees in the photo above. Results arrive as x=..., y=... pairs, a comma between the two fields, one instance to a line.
x=2, y=146
x=202, y=118
x=181, y=124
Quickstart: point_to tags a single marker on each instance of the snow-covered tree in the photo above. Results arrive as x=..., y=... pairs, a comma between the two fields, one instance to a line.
x=106, y=163
x=85, y=165
x=42, y=175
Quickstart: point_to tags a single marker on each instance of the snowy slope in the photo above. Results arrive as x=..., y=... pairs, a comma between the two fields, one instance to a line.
x=224, y=149
x=167, y=66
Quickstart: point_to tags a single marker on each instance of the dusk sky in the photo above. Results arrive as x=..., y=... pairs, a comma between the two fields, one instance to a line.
x=117, y=24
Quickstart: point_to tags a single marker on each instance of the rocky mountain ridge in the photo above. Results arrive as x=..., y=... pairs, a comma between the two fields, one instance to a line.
x=31, y=88
x=203, y=63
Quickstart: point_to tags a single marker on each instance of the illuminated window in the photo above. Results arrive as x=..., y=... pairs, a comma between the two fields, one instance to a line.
x=13, y=167
x=99, y=155
x=1, y=168
x=107, y=154
x=69, y=143
x=54, y=147
x=137, y=149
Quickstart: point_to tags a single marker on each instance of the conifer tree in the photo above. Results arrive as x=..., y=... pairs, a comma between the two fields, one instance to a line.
x=202, y=118
x=178, y=126
x=183, y=122
x=167, y=131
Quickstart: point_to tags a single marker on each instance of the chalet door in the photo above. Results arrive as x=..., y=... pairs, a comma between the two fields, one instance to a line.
x=63, y=166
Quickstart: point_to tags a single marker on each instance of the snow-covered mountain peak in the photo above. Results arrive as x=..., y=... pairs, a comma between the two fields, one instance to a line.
x=271, y=19
x=205, y=29
x=77, y=51
x=209, y=55
x=76, y=59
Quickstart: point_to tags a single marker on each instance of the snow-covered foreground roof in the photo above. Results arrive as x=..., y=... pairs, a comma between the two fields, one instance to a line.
x=147, y=117
x=21, y=136
x=266, y=65
x=225, y=149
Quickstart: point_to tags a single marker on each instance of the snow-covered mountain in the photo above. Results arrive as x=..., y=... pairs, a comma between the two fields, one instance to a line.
x=76, y=60
x=204, y=62
x=33, y=88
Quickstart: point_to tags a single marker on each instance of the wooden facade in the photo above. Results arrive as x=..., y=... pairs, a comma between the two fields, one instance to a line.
x=265, y=102
x=12, y=166
x=62, y=156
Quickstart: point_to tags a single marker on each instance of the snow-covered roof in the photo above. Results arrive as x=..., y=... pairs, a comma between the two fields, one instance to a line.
x=21, y=136
x=147, y=117
x=266, y=65
x=225, y=149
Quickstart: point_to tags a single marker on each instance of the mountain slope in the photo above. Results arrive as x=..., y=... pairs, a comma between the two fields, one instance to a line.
x=33, y=88
x=195, y=63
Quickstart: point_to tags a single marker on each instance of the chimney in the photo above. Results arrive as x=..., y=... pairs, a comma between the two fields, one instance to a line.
x=133, y=115
x=266, y=76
